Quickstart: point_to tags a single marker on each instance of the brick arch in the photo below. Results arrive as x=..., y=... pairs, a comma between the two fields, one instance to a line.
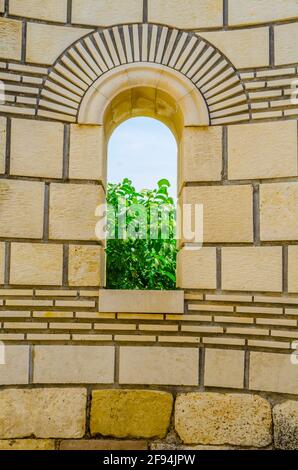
x=186, y=53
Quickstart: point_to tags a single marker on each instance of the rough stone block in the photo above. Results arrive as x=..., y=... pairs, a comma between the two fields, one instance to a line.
x=263, y=150
x=158, y=365
x=130, y=413
x=10, y=39
x=2, y=262
x=77, y=364
x=43, y=413
x=86, y=153
x=27, y=444
x=14, y=364
x=86, y=266
x=1, y=6
x=36, y=148
x=2, y=144
x=293, y=269
x=285, y=418
x=285, y=41
x=106, y=13
x=216, y=419
x=36, y=264
x=252, y=269
x=196, y=269
x=21, y=214
x=224, y=368
x=50, y=10
x=242, y=12
x=273, y=372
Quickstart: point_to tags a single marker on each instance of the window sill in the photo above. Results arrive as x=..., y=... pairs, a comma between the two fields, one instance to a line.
x=141, y=301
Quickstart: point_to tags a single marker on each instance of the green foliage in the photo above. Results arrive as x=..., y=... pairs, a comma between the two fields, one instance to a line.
x=144, y=262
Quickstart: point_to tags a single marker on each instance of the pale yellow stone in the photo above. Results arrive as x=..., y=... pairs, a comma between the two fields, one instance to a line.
x=86, y=264
x=43, y=413
x=106, y=13
x=72, y=211
x=27, y=444
x=2, y=262
x=216, y=419
x=228, y=212
x=140, y=301
x=293, y=269
x=77, y=364
x=189, y=14
x=201, y=158
x=243, y=12
x=263, y=150
x=285, y=417
x=176, y=366
x=130, y=413
x=285, y=42
x=36, y=264
x=252, y=269
x=10, y=39
x=45, y=43
x=244, y=48
x=279, y=211
x=21, y=213
x=1, y=6
x=86, y=154
x=196, y=268
x=224, y=368
x=50, y=10
x=36, y=148
x=2, y=144
x=14, y=364
x=273, y=372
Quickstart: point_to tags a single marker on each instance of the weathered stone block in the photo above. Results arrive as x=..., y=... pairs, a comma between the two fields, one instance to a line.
x=228, y=212
x=2, y=144
x=102, y=444
x=279, y=211
x=215, y=419
x=252, y=269
x=130, y=414
x=196, y=269
x=86, y=153
x=242, y=12
x=72, y=211
x=77, y=364
x=1, y=6
x=43, y=413
x=27, y=444
x=285, y=418
x=293, y=269
x=36, y=148
x=224, y=368
x=270, y=150
x=21, y=214
x=10, y=39
x=107, y=13
x=36, y=264
x=50, y=10
x=176, y=366
x=190, y=14
x=2, y=262
x=14, y=365
x=86, y=266
x=285, y=40
x=202, y=154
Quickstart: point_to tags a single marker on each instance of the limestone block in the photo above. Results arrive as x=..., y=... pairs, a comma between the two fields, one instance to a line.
x=27, y=444
x=2, y=262
x=77, y=364
x=245, y=48
x=190, y=14
x=14, y=364
x=196, y=269
x=21, y=213
x=86, y=265
x=10, y=39
x=86, y=153
x=201, y=158
x=252, y=269
x=130, y=413
x=279, y=211
x=45, y=43
x=224, y=368
x=43, y=413
x=72, y=211
x=1, y=6
x=242, y=12
x=263, y=150
x=106, y=13
x=285, y=41
x=293, y=269
x=50, y=10
x=102, y=444
x=216, y=419
x=158, y=365
x=228, y=212
x=2, y=144
x=273, y=372
x=36, y=264
x=285, y=418
x=36, y=148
